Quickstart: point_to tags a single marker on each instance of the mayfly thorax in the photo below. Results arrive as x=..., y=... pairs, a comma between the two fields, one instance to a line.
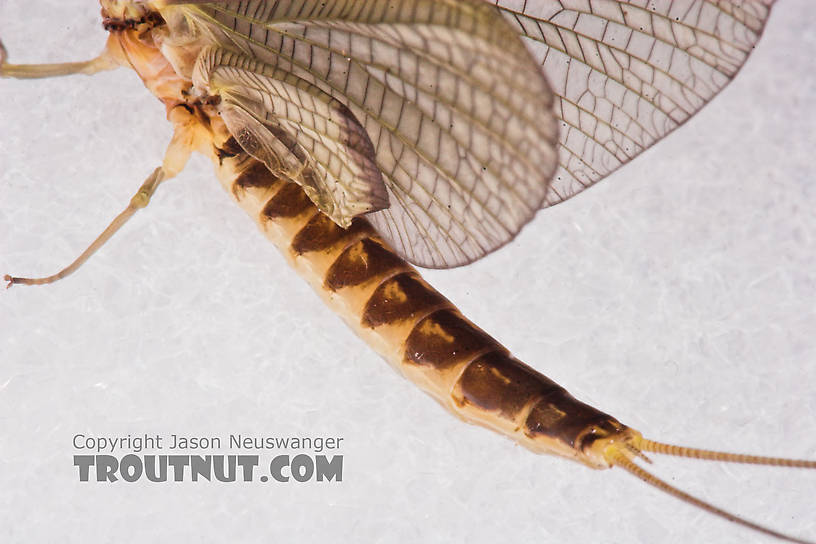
x=338, y=278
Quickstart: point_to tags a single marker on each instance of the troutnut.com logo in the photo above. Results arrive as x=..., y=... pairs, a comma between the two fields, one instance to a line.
x=166, y=458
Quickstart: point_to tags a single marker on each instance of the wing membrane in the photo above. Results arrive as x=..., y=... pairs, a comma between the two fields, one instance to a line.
x=297, y=130
x=458, y=113
x=626, y=73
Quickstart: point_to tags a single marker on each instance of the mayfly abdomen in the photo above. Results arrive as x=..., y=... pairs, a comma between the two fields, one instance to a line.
x=417, y=330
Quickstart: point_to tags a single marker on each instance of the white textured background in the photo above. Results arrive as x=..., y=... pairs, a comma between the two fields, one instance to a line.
x=678, y=295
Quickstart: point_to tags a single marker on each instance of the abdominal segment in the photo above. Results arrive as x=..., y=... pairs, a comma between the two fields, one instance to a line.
x=416, y=329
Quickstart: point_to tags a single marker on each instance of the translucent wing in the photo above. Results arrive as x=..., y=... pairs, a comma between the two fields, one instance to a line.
x=626, y=73
x=458, y=112
x=297, y=130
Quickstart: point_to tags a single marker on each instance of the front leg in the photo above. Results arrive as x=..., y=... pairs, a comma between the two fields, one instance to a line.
x=37, y=71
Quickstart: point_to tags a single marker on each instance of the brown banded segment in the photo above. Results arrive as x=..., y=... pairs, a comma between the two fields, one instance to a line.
x=562, y=417
x=289, y=202
x=499, y=383
x=400, y=298
x=257, y=175
x=320, y=233
x=230, y=148
x=361, y=262
x=444, y=339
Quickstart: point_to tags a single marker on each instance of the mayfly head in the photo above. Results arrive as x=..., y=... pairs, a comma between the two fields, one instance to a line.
x=120, y=15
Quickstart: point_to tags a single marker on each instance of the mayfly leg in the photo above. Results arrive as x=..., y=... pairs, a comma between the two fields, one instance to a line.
x=37, y=71
x=137, y=202
x=100, y=63
x=176, y=156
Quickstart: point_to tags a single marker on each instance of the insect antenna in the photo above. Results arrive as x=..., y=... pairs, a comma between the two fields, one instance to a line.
x=623, y=455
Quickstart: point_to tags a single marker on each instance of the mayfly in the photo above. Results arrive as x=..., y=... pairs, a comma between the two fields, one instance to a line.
x=237, y=87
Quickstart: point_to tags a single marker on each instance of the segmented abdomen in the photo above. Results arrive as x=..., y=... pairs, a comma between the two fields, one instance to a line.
x=416, y=329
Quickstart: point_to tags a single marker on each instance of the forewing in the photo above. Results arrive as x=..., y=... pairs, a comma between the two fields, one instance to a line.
x=458, y=113
x=626, y=73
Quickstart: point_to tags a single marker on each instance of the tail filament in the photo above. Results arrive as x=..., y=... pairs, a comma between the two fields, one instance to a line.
x=624, y=455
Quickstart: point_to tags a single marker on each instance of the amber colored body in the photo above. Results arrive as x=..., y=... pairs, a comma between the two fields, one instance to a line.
x=379, y=295
x=417, y=330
